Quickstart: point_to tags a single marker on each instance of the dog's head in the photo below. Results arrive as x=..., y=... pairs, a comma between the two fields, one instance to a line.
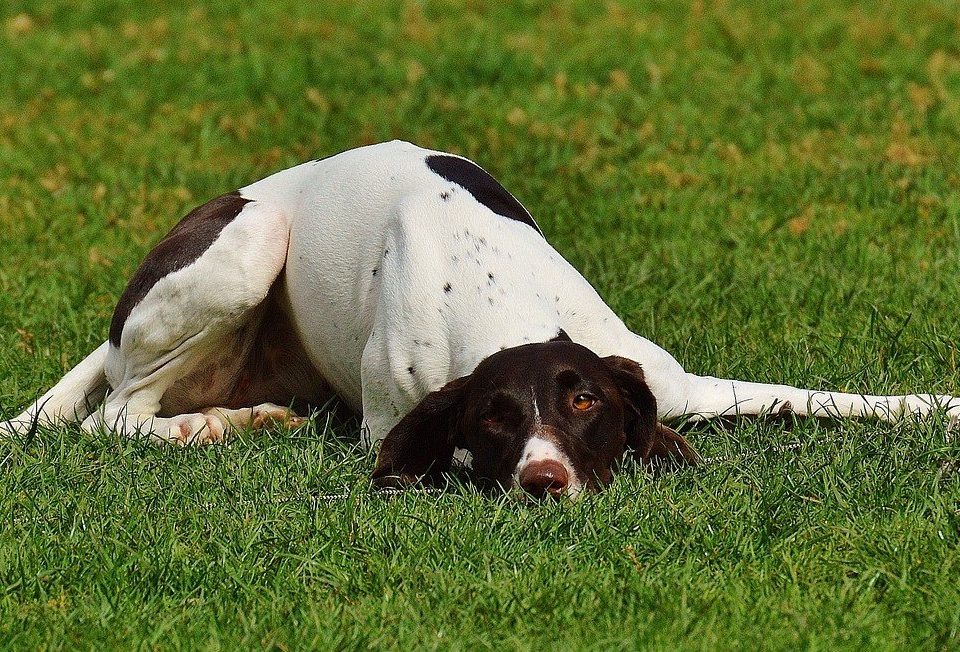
x=552, y=418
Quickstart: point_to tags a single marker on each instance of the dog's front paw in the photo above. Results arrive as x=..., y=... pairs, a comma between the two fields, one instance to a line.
x=188, y=429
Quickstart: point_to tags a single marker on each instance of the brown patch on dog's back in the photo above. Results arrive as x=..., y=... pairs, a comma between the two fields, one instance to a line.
x=186, y=242
x=481, y=184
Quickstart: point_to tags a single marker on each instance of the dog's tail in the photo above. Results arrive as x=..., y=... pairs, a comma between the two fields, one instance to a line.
x=71, y=400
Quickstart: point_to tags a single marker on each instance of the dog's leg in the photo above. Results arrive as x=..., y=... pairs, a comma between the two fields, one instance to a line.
x=258, y=416
x=75, y=396
x=209, y=426
x=214, y=424
x=184, y=318
x=681, y=394
x=710, y=397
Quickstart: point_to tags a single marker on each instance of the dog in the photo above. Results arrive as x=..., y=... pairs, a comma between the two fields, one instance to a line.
x=417, y=289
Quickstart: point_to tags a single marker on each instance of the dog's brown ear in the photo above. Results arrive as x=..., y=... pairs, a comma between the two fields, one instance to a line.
x=651, y=441
x=424, y=441
x=671, y=446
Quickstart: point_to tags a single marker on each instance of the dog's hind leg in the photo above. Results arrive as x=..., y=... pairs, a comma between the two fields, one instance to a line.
x=710, y=397
x=210, y=425
x=192, y=300
x=75, y=396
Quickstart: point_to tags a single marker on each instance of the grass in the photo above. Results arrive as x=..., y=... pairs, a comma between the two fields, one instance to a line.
x=769, y=190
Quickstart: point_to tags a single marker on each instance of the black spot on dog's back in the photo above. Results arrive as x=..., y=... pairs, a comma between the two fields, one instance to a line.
x=479, y=183
x=186, y=242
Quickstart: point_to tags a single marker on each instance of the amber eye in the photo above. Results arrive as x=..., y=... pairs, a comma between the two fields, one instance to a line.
x=491, y=418
x=584, y=402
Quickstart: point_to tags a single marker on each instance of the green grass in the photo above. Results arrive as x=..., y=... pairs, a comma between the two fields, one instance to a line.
x=770, y=190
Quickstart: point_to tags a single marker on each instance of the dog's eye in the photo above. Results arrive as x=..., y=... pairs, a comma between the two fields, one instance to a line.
x=584, y=402
x=491, y=418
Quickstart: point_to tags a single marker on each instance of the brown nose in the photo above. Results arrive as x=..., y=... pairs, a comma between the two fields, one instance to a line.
x=543, y=477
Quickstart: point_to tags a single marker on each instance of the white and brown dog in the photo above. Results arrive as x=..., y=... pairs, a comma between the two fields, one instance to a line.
x=415, y=287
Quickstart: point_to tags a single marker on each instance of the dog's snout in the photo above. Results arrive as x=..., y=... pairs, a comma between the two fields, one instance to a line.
x=544, y=477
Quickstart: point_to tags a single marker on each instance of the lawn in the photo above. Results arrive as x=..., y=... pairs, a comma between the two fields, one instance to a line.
x=770, y=190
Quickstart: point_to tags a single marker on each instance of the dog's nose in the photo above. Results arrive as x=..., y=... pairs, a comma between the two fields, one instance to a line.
x=544, y=477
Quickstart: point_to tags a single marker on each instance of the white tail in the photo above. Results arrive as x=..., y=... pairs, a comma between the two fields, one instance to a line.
x=73, y=398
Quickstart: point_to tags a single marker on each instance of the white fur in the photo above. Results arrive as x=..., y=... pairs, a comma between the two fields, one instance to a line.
x=537, y=418
x=320, y=229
